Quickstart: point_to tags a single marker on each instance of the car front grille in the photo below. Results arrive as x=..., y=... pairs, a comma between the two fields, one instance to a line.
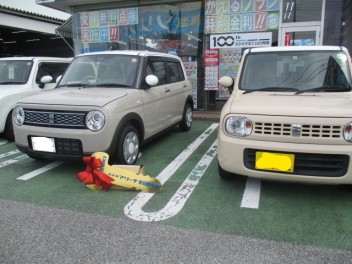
x=308, y=164
x=280, y=129
x=55, y=119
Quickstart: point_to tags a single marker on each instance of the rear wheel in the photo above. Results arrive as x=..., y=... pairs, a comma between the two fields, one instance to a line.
x=8, y=133
x=187, y=118
x=128, y=145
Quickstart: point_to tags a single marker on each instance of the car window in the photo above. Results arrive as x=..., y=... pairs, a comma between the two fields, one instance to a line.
x=54, y=69
x=102, y=70
x=300, y=70
x=157, y=68
x=175, y=73
x=15, y=72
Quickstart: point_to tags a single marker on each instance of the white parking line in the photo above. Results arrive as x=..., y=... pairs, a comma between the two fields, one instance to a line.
x=179, y=199
x=32, y=174
x=12, y=161
x=13, y=152
x=134, y=208
x=251, y=195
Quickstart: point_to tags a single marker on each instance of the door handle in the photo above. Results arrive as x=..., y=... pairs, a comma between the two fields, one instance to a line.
x=166, y=90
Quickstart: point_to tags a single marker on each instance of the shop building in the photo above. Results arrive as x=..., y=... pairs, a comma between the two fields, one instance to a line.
x=209, y=35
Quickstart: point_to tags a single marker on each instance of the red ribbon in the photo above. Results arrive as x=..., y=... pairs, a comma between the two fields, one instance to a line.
x=92, y=174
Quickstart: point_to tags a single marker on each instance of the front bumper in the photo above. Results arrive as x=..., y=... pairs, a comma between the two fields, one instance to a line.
x=69, y=143
x=237, y=155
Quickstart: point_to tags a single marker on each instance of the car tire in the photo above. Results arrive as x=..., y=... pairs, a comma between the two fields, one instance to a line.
x=225, y=174
x=8, y=133
x=187, y=118
x=128, y=145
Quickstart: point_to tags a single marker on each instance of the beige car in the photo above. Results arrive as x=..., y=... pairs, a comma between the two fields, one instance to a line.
x=289, y=117
x=111, y=101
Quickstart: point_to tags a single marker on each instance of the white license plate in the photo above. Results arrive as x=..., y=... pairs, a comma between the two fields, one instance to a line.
x=43, y=144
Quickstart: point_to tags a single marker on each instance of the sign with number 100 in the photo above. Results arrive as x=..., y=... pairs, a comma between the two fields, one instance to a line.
x=245, y=40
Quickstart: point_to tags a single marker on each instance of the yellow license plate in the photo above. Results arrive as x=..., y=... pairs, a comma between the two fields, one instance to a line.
x=274, y=161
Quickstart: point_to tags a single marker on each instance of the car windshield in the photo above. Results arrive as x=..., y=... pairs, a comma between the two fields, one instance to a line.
x=103, y=70
x=299, y=72
x=15, y=71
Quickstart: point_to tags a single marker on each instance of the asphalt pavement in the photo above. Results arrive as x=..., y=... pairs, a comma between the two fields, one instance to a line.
x=38, y=234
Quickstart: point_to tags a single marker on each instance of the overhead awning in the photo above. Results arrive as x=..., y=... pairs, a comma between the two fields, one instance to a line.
x=65, y=30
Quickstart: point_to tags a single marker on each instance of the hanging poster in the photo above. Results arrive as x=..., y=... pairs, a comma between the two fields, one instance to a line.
x=224, y=16
x=103, y=26
x=228, y=66
x=211, y=65
x=191, y=71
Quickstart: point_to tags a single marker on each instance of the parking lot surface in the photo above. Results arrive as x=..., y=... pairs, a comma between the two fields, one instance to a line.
x=49, y=216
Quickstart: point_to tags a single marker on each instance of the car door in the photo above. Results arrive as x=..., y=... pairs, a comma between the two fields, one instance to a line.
x=157, y=112
x=176, y=83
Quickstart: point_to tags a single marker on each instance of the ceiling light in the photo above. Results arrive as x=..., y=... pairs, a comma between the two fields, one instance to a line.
x=30, y=40
x=9, y=42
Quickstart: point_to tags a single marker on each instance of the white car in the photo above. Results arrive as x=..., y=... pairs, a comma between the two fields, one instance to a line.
x=111, y=101
x=22, y=76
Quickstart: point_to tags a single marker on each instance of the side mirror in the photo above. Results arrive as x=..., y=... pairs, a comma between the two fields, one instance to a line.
x=151, y=80
x=45, y=79
x=228, y=82
x=58, y=79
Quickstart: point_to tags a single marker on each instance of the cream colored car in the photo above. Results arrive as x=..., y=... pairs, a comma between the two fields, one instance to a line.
x=289, y=117
x=111, y=101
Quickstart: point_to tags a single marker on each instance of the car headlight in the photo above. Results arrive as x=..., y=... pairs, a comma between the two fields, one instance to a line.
x=18, y=116
x=238, y=126
x=95, y=120
x=347, y=132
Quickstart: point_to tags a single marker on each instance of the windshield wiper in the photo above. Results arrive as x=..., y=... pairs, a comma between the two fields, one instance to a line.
x=326, y=89
x=110, y=84
x=84, y=85
x=71, y=85
x=272, y=89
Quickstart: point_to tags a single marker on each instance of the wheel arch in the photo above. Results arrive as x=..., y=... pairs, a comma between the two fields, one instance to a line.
x=189, y=100
x=6, y=114
x=133, y=119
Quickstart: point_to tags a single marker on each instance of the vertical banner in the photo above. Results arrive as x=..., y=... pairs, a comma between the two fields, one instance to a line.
x=191, y=71
x=228, y=66
x=211, y=65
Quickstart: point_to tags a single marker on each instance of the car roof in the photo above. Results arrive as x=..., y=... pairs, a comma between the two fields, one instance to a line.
x=142, y=53
x=37, y=58
x=296, y=48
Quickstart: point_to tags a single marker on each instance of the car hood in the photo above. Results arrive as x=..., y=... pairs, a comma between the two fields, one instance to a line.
x=6, y=90
x=289, y=104
x=76, y=96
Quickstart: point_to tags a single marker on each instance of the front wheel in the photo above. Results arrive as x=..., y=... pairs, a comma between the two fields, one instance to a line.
x=225, y=174
x=187, y=118
x=128, y=145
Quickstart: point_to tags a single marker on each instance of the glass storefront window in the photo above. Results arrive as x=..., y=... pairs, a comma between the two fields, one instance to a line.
x=172, y=29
